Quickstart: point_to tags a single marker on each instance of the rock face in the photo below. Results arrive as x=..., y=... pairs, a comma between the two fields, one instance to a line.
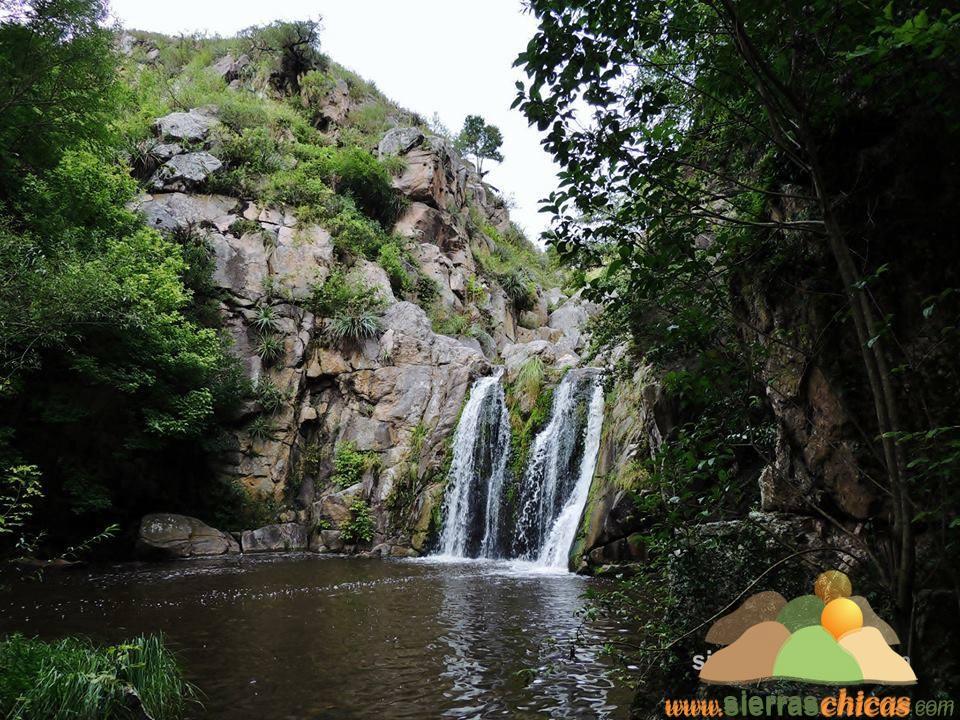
x=165, y=535
x=391, y=398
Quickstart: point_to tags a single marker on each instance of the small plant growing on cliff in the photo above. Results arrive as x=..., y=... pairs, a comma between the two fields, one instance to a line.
x=361, y=526
x=349, y=464
x=261, y=428
x=269, y=396
x=265, y=319
x=270, y=348
x=352, y=307
x=530, y=379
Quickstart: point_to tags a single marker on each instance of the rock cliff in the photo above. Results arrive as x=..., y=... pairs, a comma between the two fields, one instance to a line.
x=385, y=403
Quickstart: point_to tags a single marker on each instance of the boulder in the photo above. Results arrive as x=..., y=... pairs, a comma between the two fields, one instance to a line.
x=376, y=277
x=229, y=68
x=400, y=141
x=184, y=172
x=283, y=537
x=240, y=263
x=335, y=507
x=170, y=211
x=192, y=126
x=166, y=535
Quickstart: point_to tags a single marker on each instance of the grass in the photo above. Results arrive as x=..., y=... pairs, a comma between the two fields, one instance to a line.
x=73, y=679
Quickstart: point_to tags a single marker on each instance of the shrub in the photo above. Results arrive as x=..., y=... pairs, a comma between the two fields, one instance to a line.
x=361, y=526
x=392, y=259
x=427, y=289
x=349, y=464
x=73, y=679
x=351, y=307
x=358, y=173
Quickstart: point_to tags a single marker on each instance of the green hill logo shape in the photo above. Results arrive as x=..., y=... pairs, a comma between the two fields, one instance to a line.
x=830, y=638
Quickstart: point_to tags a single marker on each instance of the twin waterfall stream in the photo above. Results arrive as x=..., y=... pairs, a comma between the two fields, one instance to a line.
x=488, y=513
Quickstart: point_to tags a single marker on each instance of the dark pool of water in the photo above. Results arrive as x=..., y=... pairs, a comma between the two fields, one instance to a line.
x=310, y=637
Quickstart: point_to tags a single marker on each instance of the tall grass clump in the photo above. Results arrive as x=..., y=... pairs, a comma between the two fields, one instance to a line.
x=72, y=679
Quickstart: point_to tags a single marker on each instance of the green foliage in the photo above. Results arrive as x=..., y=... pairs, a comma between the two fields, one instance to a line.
x=530, y=378
x=481, y=140
x=261, y=428
x=74, y=679
x=270, y=348
x=349, y=464
x=19, y=491
x=351, y=307
x=361, y=526
x=58, y=85
x=393, y=260
x=525, y=426
x=323, y=171
x=290, y=50
x=269, y=397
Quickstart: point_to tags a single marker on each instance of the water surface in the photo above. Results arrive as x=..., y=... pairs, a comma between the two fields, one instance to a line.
x=305, y=637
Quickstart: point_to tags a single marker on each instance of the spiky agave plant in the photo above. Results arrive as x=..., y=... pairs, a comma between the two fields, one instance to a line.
x=270, y=348
x=356, y=326
x=265, y=319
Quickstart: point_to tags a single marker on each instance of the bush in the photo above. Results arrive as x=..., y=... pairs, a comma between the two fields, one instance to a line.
x=394, y=262
x=349, y=464
x=360, y=175
x=351, y=307
x=361, y=526
x=73, y=679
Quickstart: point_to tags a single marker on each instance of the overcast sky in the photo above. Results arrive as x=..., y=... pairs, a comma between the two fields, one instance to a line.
x=452, y=57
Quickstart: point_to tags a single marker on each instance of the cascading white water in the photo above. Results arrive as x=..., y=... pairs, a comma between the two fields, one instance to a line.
x=481, y=445
x=556, y=549
x=552, y=491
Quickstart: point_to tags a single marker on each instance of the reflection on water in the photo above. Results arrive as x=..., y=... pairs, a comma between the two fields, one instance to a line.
x=307, y=637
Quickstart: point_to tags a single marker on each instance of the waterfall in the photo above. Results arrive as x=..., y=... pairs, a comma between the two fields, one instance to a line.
x=555, y=484
x=481, y=445
x=556, y=549
x=561, y=462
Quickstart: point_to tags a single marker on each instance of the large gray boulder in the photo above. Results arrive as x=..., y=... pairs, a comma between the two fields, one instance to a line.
x=400, y=141
x=184, y=172
x=165, y=535
x=192, y=126
x=283, y=537
x=169, y=211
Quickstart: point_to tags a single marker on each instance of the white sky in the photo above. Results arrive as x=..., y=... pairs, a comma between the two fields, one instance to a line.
x=453, y=57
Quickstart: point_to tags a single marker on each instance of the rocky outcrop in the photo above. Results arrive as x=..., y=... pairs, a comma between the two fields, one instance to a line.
x=165, y=535
x=392, y=397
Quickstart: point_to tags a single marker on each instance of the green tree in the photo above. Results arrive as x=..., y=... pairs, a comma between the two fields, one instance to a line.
x=293, y=48
x=701, y=137
x=58, y=82
x=481, y=140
